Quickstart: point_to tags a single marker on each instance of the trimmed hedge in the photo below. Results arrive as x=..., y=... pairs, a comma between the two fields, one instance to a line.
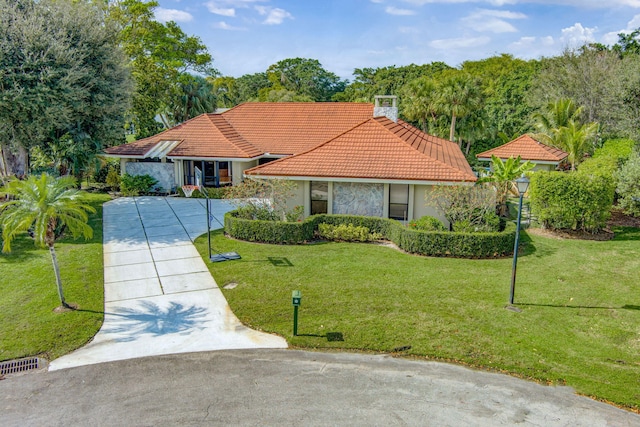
x=429, y=243
x=576, y=201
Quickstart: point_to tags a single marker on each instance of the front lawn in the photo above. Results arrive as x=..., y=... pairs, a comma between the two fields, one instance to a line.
x=28, y=325
x=579, y=325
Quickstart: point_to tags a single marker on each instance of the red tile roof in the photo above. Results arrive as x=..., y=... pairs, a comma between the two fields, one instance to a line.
x=293, y=127
x=528, y=149
x=377, y=149
x=204, y=136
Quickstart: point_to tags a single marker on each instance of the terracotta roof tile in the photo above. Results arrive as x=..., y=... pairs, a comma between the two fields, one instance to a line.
x=204, y=136
x=377, y=149
x=528, y=149
x=293, y=127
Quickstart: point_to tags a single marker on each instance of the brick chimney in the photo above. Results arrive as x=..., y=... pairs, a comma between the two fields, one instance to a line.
x=386, y=105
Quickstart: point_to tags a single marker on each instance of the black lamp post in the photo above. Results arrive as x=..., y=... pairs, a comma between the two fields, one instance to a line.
x=523, y=184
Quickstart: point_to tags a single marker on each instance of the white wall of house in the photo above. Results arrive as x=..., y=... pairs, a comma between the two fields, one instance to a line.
x=420, y=207
x=375, y=193
x=238, y=168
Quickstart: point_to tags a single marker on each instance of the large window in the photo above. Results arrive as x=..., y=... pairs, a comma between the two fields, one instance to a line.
x=319, y=197
x=399, y=201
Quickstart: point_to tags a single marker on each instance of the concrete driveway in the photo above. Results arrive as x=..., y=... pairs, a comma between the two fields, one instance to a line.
x=160, y=297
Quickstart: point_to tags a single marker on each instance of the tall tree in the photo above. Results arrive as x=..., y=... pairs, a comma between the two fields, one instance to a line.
x=159, y=53
x=42, y=204
x=460, y=94
x=63, y=76
x=193, y=96
x=420, y=101
x=561, y=127
x=305, y=77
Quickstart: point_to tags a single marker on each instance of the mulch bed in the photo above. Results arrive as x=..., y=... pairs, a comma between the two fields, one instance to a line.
x=618, y=219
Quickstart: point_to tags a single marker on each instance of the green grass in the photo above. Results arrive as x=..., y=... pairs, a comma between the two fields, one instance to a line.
x=579, y=325
x=28, y=325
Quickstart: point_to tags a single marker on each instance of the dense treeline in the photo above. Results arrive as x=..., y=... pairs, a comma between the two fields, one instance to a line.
x=158, y=76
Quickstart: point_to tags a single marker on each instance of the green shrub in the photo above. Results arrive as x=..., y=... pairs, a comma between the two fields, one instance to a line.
x=113, y=179
x=347, y=233
x=608, y=159
x=457, y=244
x=576, y=201
x=430, y=243
x=629, y=186
x=278, y=232
x=427, y=223
x=295, y=214
x=135, y=185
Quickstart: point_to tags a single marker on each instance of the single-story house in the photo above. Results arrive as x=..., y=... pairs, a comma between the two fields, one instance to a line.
x=345, y=157
x=544, y=157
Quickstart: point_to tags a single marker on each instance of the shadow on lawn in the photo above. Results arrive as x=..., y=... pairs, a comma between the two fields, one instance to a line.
x=622, y=234
x=624, y=307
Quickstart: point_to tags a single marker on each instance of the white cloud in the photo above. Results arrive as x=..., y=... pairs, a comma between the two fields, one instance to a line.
x=216, y=8
x=459, y=43
x=165, y=15
x=576, y=3
x=224, y=26
x=612, y=38
x=400, y=12
x=275, y=16
x=577, y=35
x=493, y=21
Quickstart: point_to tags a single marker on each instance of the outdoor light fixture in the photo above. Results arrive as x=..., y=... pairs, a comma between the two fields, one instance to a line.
x=523, y=184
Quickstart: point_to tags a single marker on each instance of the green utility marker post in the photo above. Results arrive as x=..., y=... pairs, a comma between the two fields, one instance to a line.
x=296, y=300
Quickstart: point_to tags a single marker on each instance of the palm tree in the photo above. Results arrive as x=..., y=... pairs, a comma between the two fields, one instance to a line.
x=558, y=114
x=460, y=94
x=576, y=140
x=503, y=174
x=561, y=128
x=41, y=204
x=420, y=101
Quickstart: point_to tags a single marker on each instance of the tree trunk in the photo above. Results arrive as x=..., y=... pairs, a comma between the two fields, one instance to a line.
x=452, y=130
x=466, y=152
x=56, y=270
x=13, y=162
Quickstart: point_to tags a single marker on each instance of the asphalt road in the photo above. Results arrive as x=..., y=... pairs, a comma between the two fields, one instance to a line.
x=286, y=387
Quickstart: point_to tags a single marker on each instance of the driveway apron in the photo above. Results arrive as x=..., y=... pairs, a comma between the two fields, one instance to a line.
x=160, y=298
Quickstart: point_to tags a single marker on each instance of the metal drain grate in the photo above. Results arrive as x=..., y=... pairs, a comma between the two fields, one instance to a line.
x=21, y=365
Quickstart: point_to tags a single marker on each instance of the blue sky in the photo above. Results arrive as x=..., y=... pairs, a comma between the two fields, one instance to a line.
x=246, y=36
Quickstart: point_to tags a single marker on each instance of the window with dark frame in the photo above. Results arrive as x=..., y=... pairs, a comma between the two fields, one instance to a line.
x=319, y=197
x=399, y=201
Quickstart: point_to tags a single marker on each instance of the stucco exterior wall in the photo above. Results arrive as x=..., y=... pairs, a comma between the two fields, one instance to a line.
x=542, y=167
x=238, y=168
x=163, y=172
x=420, y=208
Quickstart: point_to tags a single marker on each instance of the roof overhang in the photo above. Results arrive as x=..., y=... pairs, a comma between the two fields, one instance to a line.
x=161, y=149
x=360, y=180
x=538, y=162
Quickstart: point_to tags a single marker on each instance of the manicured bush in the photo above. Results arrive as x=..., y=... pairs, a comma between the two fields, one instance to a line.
x=464, y=245
x=629, y=185
x=575, y=201
x=113, y=179
x=430, y=243
x=427, y=223
x=608, y=159
x=135, y=185
x=277, y=232
x=347, y=233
